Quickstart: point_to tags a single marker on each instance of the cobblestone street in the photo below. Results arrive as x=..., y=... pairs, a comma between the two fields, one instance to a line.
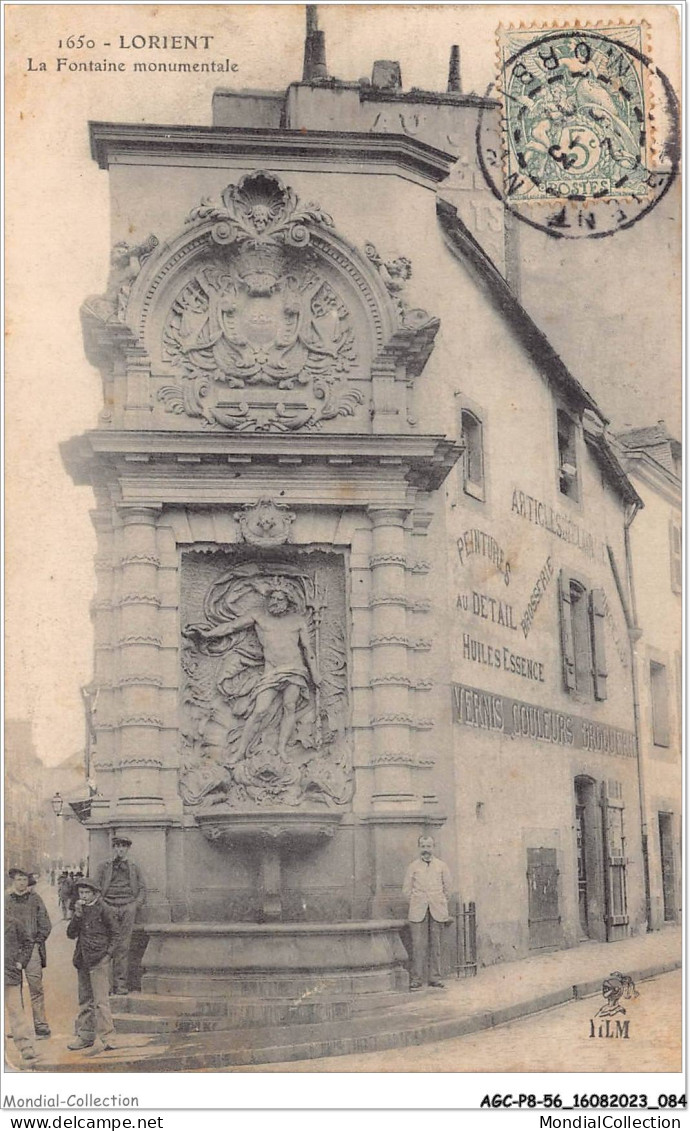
x=557, y=1040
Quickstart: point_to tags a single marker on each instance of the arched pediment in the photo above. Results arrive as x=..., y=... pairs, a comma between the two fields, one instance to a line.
x=259, y=316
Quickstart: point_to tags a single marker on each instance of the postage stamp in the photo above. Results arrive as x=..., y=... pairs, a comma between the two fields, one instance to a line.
x=576, y=114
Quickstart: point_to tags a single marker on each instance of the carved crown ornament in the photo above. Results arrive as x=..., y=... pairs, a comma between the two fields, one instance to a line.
x=265, y=523
x=258, y=316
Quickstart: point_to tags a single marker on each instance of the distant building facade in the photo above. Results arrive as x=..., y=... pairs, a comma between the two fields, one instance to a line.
x=652, y=458
x=26, y=833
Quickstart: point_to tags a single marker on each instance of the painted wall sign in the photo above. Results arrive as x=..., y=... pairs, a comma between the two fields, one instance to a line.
x=542, y=514
x=484, y=710
x=488, y=608
x=479, y=542
x=478, y=652
x=540, y=587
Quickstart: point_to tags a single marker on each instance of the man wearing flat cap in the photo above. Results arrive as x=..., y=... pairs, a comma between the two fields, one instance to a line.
x=24, y=905
x=123, y=893
x=94, y=927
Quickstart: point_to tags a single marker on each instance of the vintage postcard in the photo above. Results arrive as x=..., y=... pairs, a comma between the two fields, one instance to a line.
x=344, y=557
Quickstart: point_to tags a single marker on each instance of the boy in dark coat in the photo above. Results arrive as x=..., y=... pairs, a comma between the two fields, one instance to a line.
x=18, y=948
x=24, y=904
x=95, y=929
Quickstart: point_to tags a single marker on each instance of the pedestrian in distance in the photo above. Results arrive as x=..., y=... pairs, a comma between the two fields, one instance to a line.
x=24, y=904
x=427, y=886
x=18, y=950
x=75, y=877
x=94, y=927
x=124, y=893
x=63, y=886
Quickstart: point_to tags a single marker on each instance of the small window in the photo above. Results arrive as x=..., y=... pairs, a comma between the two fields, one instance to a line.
x=676, y=547
x=567, y=456
x=658, y=683
x=473, y=457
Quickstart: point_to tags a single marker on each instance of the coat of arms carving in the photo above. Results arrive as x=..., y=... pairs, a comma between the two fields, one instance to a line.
x=261, y=339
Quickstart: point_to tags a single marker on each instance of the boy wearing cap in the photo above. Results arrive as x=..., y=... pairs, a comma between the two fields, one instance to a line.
x=93, y=926
x=124, y=892
x=25, y=905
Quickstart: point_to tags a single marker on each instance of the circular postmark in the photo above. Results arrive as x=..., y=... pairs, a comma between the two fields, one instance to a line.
x=590, y=131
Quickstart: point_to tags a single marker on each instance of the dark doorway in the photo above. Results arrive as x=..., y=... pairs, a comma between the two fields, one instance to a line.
x=668, y=871
x=581, y=832
x=589, y=860
x=542, y=886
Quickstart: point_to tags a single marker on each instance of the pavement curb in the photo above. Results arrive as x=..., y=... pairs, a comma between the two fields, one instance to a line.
x=424, y=1033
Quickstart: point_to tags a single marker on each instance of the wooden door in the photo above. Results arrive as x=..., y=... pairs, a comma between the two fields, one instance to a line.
x=542, y=887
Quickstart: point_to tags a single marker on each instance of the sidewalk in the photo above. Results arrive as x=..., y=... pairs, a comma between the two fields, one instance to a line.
x=498, y=994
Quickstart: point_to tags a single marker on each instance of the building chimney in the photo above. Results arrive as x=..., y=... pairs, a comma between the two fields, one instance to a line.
x=314, y=48
x=386, y=75
x=454, y=85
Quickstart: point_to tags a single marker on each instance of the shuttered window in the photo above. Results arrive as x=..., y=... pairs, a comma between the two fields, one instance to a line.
x=597, y=621
x=615, y=860
x=583, y=645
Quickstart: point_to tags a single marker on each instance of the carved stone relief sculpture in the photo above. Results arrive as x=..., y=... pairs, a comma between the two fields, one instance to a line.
x=257, y=317
x=260, y=315
x=265, y=523
x=126, y=261
x=265, y=694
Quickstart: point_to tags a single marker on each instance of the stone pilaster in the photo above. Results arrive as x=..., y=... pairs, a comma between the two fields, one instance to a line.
x=102, y=615
x=390, y=677
x=139, y=678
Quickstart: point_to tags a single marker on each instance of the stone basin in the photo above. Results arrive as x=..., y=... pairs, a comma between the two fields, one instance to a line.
x=272, y=832
x=274, y=960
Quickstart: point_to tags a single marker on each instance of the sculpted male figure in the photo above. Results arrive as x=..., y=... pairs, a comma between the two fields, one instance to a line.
x=427, y=885
x=288, y=662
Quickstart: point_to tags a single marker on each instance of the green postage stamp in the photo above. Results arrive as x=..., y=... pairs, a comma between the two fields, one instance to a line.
x=576, y=113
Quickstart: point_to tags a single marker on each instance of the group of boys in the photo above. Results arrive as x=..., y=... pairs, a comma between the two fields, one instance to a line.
x=102, y=923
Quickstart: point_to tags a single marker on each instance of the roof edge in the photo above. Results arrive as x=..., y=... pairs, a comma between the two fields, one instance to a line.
x=409, y=153
x=461, y=241
x=535, y=343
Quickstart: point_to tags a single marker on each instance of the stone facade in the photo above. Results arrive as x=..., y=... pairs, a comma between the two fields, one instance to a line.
x=361, y=549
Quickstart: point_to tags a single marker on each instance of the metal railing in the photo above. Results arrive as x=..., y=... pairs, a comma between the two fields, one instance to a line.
x=466, y=941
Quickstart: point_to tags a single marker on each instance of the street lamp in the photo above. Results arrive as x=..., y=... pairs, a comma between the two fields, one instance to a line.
x=57, y=804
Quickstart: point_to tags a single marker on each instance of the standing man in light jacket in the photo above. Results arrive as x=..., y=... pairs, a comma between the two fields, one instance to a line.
x=427, y=885
x=123, y=893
